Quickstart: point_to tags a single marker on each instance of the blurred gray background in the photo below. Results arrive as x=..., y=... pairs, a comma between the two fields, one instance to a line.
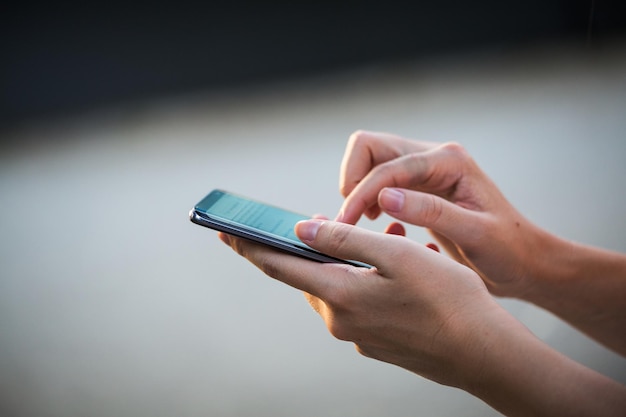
x=113, y=304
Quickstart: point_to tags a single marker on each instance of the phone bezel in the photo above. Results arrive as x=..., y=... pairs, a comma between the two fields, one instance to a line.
x=256, y=235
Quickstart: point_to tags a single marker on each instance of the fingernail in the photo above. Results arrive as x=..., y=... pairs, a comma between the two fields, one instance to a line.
x=433, y=247
x=307, y=229
x=391, y=200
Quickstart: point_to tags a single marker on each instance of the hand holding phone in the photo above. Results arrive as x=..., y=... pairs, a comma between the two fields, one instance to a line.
x=263, y=223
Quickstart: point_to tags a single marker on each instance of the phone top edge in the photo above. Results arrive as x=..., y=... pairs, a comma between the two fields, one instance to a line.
x=303, y=251
x=208, y=200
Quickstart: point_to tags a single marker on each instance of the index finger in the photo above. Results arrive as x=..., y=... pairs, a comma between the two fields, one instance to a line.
x=435, y=171
x=315, y=278
x=400, y=173
x=365, y=150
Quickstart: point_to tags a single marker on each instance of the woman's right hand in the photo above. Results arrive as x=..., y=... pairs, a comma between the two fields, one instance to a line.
x=440, y=187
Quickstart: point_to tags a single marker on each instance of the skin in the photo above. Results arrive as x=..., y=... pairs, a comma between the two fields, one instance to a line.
x=440, y=187
x=434, y=315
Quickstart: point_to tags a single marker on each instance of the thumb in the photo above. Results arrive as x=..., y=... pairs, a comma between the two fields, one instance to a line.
x=351, y=242
x=427, y=210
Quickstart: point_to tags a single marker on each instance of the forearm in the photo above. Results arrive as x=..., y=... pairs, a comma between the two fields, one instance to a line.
x=584, y=286
x=521, y=375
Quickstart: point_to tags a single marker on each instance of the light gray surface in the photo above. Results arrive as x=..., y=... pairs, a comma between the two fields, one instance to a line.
x=113, y=303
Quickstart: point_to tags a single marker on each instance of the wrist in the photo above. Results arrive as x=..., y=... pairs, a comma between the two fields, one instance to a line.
x=482, y=335
x=521, y=375
x=500, y=375
x=584, y=286
x=549, y=261
x=530, y=258
x=571, y=276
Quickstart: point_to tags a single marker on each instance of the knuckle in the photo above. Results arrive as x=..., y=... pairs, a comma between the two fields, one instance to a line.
x=338, y=330
x=237, y=245
x=337, y=238
x=365, y=351
x=357, y=136
x=416, y=166
x=396, y=172
x=455, y=149
x=432, y=209
x=269, y=267
x=345, y=188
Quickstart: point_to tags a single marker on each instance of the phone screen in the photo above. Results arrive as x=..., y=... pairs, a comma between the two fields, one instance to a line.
x=237, y=209
x=243, y=217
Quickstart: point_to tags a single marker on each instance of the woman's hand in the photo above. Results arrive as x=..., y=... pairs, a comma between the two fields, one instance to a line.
x=439, y=186
x=433, y=316
x=416, y=309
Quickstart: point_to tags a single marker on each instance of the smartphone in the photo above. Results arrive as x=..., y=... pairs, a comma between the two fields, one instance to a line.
x=263, y=223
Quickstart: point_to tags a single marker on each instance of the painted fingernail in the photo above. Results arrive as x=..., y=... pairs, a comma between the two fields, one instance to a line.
x=433, y=247
x=391, y=199
x=307, y=229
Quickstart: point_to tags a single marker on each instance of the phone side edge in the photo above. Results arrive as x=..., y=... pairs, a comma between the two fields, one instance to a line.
x=249, y=234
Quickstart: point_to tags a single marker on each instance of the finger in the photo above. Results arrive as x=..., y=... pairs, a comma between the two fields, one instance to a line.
x=433, y=247
x=451, y=249
x=316, y=303
x=312, y=277
x=345, y=241
x=366, y=150
x=395, y=229
x=448, y=219
x=224, y=237
x=435, y=170
x=372, y=212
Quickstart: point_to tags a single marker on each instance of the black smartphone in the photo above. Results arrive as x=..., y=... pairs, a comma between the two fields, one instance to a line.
x=243, y=217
